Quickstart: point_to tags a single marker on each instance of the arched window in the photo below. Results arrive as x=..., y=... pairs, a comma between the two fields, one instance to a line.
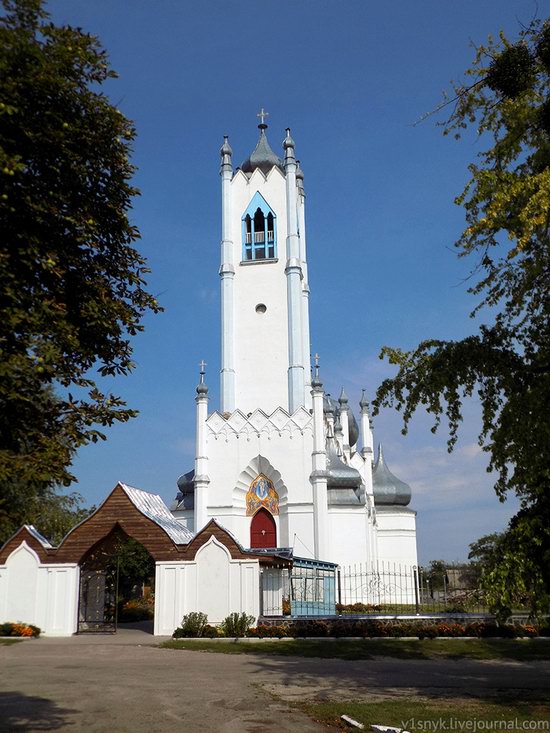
x=259, y=230
x=263, y=530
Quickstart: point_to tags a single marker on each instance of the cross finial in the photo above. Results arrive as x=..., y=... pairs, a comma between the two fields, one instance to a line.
x=202, y=371
x=316, y=358
x=262, y=114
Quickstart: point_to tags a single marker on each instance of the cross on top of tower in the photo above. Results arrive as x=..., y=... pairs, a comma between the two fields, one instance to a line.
x=262, y=114
x=202, y=364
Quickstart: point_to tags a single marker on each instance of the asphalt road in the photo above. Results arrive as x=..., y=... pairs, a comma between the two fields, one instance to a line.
x=124, y=684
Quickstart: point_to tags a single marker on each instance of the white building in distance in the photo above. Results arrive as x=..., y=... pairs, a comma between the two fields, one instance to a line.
x=279, y=463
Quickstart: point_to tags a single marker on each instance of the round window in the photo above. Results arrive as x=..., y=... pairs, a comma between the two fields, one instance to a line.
x=261, y=308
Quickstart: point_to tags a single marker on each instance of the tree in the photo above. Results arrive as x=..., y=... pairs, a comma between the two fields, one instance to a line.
x=72, y=288
x=506, y=363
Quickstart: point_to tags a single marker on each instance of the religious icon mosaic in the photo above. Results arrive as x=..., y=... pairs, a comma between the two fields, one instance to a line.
x=261, y=494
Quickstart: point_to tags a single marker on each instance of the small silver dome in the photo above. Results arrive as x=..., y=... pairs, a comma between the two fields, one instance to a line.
x=344, y=482
x=263, y=156
x=387, y=488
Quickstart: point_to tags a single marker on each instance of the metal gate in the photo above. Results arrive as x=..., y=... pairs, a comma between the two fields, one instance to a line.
x=98, y=599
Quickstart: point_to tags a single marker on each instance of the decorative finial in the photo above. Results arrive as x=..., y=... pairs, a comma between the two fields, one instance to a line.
x=299, y=176
x=226, y=153
x=316, y=381
x=226, y=147
x=288, y=142
x=364, y=403
x=343, y=399
x=337, y=422
x=380, y=454
x=262, y=114
x=202, y=388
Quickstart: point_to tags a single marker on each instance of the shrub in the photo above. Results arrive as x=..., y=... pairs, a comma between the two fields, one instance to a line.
x=211, y=632
x=137, y=609
x=528, y=630
x=450, y=630
x=192, y=625
x=313, y=627
x=237, y=624
x=18, y=629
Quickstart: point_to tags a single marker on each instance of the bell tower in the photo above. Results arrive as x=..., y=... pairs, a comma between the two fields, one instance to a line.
x=264, y=293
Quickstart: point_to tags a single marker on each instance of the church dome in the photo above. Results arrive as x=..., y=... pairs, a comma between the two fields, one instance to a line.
x=387, y=488
x=263, y=156
x=343, y=481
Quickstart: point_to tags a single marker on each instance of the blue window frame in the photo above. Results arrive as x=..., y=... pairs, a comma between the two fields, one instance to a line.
x=259, y=225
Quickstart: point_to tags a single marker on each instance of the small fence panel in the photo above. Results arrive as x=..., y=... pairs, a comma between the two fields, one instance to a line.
x=364, y=589
x=306, y=589
x=388, y=588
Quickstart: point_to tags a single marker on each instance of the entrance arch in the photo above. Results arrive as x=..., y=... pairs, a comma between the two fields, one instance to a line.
x=263, y=530
x=114, y=574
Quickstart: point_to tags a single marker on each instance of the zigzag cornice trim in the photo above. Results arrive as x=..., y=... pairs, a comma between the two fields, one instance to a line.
x=279, y=421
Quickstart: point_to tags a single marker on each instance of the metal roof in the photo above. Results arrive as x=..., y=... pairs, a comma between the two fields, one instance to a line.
x=263, y=156
x=387, y=488
x=153, y=507
x=31, y=529
x=343, y=481
x=185, y=498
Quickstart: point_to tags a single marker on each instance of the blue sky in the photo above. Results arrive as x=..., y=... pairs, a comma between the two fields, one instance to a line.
x=349, y=78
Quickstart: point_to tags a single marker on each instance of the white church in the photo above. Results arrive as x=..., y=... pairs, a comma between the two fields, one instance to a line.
x=281, y=464
x=284, y=488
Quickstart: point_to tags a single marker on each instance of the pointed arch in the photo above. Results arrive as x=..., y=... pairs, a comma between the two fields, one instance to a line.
x=258, y=465
x=263, y=530
x=259, y=230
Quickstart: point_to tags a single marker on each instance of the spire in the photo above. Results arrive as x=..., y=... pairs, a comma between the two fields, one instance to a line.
x=343, y=400
x=288, y=145
x=202, y=389
x=387, y=488
x=226, y=153
x=263, y=156
x=316, y=381
x=299, y=177
x=330, y=404
x=364, y=403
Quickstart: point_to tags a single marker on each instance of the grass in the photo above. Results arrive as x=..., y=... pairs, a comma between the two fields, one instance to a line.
x=520, y=650
x=5, y=641
x=435, y=714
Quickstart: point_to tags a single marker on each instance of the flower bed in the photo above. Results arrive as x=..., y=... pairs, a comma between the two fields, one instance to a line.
x=18, y=629
x=371, y=628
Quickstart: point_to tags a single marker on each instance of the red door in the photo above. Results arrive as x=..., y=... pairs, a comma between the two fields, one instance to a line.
x=263, y=531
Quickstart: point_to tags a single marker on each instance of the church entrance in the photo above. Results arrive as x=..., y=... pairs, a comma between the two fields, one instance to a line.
x=116, y=583
x=263, y=530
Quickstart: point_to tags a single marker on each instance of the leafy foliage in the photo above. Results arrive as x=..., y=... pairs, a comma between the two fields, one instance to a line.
x=192, y=625
x=237, y=624
x=506, y=364
x=72, y=289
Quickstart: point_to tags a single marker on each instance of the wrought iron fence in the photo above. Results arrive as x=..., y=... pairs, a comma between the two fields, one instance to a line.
x=310, y=588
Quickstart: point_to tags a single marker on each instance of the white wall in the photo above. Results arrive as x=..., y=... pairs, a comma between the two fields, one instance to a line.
x=284, y=444
x=261, y=339
x=396, y=530
x=45, y=595
x=213, y=583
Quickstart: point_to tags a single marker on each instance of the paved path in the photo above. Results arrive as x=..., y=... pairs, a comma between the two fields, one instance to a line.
x=124, y=684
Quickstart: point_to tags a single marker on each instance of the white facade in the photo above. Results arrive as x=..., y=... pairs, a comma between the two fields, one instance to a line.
x=278, y=444
x=212, y=583
x=45, y=595
x=213, y=580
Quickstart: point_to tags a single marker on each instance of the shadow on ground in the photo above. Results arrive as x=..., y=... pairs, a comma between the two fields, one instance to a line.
x=20, y=712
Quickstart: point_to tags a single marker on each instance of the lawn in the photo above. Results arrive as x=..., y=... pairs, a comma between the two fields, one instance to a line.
x=5, y=641
x=520, y=650
x=436, y=714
